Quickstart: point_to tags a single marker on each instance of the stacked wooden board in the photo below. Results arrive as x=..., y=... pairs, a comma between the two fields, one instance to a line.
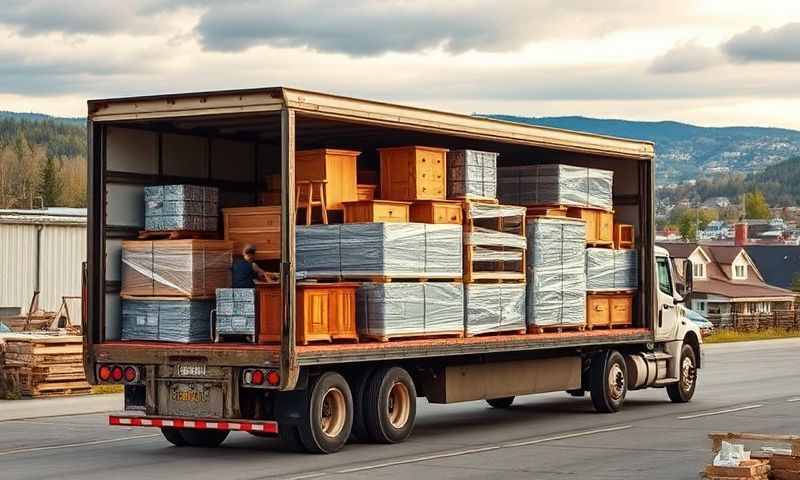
x=764, y=463
x=40, y=365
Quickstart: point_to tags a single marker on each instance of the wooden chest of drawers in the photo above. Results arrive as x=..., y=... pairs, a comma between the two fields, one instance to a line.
x=325, y=312
x=610, y=311
x=260, y=226
x=338, y=167
x=365, y=211
x=413, y=173
x=599, y=225
x=437, y=211
x=366, y=192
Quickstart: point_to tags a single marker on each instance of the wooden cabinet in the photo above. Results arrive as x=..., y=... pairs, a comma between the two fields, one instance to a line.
x=338, y=167
x=608, y=311
x=623, y=236
x=599, y=225
x=413, y=173
x=437, y=211
x=365, y=211
x=260, y=226
x=324, y=312
x=366, y=192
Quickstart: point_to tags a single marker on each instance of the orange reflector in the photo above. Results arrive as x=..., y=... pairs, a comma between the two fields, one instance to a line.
x=104, y=373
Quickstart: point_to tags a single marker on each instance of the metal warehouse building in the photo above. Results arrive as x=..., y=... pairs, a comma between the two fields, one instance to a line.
x=42, y=250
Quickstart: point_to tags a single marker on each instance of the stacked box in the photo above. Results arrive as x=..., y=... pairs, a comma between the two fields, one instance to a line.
x=183, y=268
x=556, y=266
x=471, y=173
x=236, y=311
x=494, y=307
x=181, y=207
x=608, y=269
x=403, y=250
x=398, y=309
x=179, y=320
x=556, y=185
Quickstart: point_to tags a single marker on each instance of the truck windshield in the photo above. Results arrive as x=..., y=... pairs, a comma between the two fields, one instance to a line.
x=664, y=279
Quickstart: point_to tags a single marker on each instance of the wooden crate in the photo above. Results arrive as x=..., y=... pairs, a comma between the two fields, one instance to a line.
x=437, y=211
x=338, y=167
x=609, y=310
x=325, y=312
x=366, y=192
x=623, y=236
x=747, y=469
x=365, y=211
x=599, y=225
x=499, y=269
x=260, y=226
x=413, y=173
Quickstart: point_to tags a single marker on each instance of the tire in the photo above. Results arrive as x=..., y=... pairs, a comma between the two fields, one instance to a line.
x=683, y=391
x=173, y=436
x=290, y=439
x=608, y=381
x=390, y=405
x=502, y=402
x=204, y=438
x=329, y=418
x=359, y=386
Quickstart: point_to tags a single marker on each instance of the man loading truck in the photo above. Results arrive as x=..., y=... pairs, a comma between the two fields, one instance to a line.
x=245, y=270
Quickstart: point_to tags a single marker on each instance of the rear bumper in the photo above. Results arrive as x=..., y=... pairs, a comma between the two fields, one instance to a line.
x=265, y=426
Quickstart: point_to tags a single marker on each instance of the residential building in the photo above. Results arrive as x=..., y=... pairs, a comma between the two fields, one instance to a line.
x=778, y=264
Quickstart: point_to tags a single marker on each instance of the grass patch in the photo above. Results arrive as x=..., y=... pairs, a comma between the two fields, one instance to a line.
x=104, y=389
x=727, y=336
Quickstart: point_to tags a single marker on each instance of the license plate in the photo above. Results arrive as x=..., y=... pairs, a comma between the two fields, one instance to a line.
x=189, y=392
x=191, y=369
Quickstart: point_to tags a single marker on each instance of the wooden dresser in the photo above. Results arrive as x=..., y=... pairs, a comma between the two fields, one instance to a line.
x=338, y=167
x=437, y=211
x=413, y=173
x=376, y=211
x=599, y=225
x=260, y=226
x=609, y=310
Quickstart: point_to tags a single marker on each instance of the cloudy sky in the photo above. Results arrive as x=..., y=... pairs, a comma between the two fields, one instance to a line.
x=710, y=62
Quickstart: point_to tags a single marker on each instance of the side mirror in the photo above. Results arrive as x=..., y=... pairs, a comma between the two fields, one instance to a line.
x=688, y=279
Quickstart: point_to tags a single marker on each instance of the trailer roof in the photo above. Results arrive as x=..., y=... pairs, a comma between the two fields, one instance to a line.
x=322, y=105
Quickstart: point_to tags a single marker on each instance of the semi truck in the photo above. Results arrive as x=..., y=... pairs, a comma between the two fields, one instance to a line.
x=317, y=397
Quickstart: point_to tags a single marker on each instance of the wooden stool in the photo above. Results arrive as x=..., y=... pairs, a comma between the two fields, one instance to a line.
x=306, y=188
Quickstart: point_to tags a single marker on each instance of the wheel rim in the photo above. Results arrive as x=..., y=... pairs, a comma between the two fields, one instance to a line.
x=616, y=382
x=398, y=407
x=334, y=412
x=687, y=373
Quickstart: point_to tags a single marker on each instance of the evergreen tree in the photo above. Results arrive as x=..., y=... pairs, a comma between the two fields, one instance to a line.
x=51, y=184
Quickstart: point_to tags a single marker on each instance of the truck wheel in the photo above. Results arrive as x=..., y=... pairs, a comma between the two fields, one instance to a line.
x=358, y=384
x=290, y=439
x=390, y=405
x=327, y=425
x=683, y=391
x=503, y=402
x=609, y=384
x=173, y=436
x=204, y=438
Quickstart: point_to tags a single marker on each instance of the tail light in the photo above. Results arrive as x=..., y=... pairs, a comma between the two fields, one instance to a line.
x=116, y=373
x=104, y=373
x=273, y=378
x=260, y=377
x=131, y=374
x=119, y=373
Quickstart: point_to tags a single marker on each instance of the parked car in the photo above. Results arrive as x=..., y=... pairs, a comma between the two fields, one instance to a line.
x=705, y=326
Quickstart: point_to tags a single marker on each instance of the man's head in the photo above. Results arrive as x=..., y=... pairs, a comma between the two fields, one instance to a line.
x=249, y=252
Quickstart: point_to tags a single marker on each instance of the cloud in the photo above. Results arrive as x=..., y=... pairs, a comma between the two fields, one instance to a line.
x=686, y=57
x=776, y=45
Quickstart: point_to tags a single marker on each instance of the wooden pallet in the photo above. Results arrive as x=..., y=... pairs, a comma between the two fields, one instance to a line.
x=498, y=270
x=608, y=326
x=175, y=235
x=555, y=329
x=520, y=331
x=475, y=199
x=45, y=365
x=383, y=279
x=412, y=336
x=748, y=469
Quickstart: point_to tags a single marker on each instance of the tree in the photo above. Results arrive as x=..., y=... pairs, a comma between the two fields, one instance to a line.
x=51, y=184
x=687, y=227
x=755, y=206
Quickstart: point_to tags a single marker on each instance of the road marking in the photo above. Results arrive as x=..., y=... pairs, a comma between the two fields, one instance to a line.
x=720, y=412
x=310, y=475
x=73, y=445
x=476, y=450
x=793, y=400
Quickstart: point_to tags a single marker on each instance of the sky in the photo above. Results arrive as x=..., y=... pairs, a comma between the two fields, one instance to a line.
x=708, y=62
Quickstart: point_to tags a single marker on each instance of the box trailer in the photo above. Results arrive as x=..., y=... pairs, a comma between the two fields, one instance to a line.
x=317, y=396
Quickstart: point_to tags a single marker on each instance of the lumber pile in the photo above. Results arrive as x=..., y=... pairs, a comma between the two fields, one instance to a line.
x=768, y=462
x=40, y=365
x=747, y=469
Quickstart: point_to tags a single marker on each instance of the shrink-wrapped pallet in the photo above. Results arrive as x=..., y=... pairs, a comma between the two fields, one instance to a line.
x=175, y=268
x=318, y=250
x=386, y=310
x=236, y=311
x=167, y=320
x=471, y=173
x=494, y=307
x=443, y=244
x=555, y=184
x=608, y=269
x=556, y=272
x=181, y=207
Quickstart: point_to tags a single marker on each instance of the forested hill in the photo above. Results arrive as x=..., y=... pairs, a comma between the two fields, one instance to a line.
x=686, y=151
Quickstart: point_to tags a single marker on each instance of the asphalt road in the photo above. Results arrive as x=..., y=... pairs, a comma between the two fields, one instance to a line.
x=743, y=387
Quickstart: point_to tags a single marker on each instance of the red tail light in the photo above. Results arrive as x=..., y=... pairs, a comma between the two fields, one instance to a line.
x=273, y=378
x=116, y=373
x=258, y=377
x=104, y=373
x=131, y=375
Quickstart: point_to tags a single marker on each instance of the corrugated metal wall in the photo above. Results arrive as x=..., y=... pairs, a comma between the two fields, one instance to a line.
x=63, y=249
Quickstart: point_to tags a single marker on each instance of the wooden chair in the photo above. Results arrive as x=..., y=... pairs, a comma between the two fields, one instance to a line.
x=304, y=197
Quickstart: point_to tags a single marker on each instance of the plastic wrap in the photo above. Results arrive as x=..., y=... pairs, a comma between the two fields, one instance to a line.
x=608, y=269
x=181, y=207
x=489, y=210
x=403, y=250
x=189, y=268
x=493, y=308
x=556, y=267
x=555, y=184
x=183, y=321
x=236, y=311
x=493, y=230
x=471, y=173
x=398, y=309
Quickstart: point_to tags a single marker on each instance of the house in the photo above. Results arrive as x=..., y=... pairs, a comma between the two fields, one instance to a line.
x=717, y=202
x=779, y=264
x=727, y=281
